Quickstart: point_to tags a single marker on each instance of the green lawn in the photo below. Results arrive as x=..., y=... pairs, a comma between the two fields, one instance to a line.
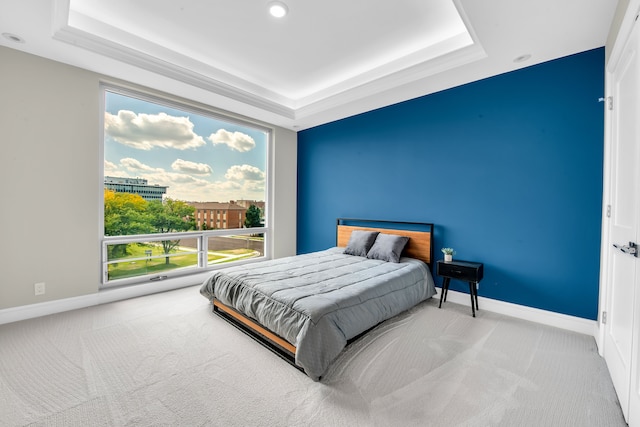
x=125, y=268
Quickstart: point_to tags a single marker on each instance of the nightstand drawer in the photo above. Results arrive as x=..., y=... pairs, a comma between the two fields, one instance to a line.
x=461, y=270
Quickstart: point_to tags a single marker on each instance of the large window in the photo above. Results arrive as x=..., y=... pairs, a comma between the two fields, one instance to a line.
x=184, y=188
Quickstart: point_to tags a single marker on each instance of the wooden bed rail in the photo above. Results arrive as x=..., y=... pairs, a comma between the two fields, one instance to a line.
x=254, y=326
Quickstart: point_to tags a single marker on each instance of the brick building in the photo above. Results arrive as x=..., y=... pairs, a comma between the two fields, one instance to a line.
x=247, y=203
x=216, y=215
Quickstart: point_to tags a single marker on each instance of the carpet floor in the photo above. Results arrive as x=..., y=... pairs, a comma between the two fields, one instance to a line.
x=166, y=360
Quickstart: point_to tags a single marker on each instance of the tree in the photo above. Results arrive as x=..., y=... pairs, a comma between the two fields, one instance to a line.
x=253, y=217
x=171, y=216
x=124, y=214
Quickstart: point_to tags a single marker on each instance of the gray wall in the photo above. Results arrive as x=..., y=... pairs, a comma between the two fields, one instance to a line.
x=50, y=181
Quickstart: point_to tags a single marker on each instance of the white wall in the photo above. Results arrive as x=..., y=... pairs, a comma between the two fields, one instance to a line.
x=621, y=9
x=284, y=192
x=50, y=184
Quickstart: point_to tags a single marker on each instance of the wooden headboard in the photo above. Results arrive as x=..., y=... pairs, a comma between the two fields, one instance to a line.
x=420, y=245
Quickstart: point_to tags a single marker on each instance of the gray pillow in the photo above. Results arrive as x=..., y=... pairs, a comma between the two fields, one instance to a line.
x=388, y=247
x=360, y=242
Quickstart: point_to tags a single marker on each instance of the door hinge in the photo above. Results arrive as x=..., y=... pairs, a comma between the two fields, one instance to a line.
x=604, y=317
x=608, y=211
x=608, y=100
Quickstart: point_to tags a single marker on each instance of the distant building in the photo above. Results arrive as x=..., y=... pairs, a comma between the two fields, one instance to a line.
x=138, y=186
x=215, y=215
x=247, y=203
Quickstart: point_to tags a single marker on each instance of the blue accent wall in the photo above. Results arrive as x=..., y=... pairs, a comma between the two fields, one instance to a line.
x=509, y=169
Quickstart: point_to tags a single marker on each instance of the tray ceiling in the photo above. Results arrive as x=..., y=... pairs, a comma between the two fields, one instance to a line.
x=322, y=62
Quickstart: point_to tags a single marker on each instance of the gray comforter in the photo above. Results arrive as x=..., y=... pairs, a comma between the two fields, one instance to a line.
x=320, y=300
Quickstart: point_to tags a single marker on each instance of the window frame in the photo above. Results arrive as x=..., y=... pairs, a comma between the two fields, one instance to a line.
x=194, y=107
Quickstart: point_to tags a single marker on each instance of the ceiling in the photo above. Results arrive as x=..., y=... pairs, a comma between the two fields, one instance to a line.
x=322, y=62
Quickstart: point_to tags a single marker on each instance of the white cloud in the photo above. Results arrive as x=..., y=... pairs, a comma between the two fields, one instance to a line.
x=109, y=167
x=146, y=131
x=223, y=191
x=237, y=140
x=240, y=181
x=255, y=187
x=181, y=178
x=244, y=172
x=134, y=165
x=191, y=167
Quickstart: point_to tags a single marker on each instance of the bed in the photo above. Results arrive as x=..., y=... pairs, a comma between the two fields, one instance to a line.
x=308, y=307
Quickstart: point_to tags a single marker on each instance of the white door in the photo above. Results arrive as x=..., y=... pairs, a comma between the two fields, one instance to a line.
x=621, y=328
x=634, y=386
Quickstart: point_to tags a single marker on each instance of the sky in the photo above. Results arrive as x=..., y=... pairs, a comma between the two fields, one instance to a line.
x=200, y=158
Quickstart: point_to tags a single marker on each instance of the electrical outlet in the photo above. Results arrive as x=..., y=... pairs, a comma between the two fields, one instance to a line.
x=39, y=288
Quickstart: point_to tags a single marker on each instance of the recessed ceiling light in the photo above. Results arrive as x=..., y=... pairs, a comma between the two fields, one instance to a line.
x=522, y=58
x=278, y=9
x=13, y=37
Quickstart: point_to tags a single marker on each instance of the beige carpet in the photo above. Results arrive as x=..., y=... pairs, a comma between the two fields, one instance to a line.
x=166, y=360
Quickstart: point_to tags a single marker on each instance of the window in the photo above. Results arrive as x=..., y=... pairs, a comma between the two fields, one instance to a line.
x=165, y=163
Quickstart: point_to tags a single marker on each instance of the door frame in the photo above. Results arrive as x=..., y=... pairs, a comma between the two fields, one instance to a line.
x=605, y=239
x=632, y=414
x=624, y=33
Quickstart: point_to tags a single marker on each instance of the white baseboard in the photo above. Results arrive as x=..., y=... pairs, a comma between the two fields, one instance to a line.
x=563, y=321
x=14, y=314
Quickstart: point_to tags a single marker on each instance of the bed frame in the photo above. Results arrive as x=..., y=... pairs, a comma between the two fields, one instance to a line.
x=420, y=246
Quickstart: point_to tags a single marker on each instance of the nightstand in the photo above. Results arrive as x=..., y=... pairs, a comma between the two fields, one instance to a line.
x=470, y=272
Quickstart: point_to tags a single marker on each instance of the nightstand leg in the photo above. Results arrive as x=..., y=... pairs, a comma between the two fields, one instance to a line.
x=443, y=291
x=475, y=292
x=472, y=285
